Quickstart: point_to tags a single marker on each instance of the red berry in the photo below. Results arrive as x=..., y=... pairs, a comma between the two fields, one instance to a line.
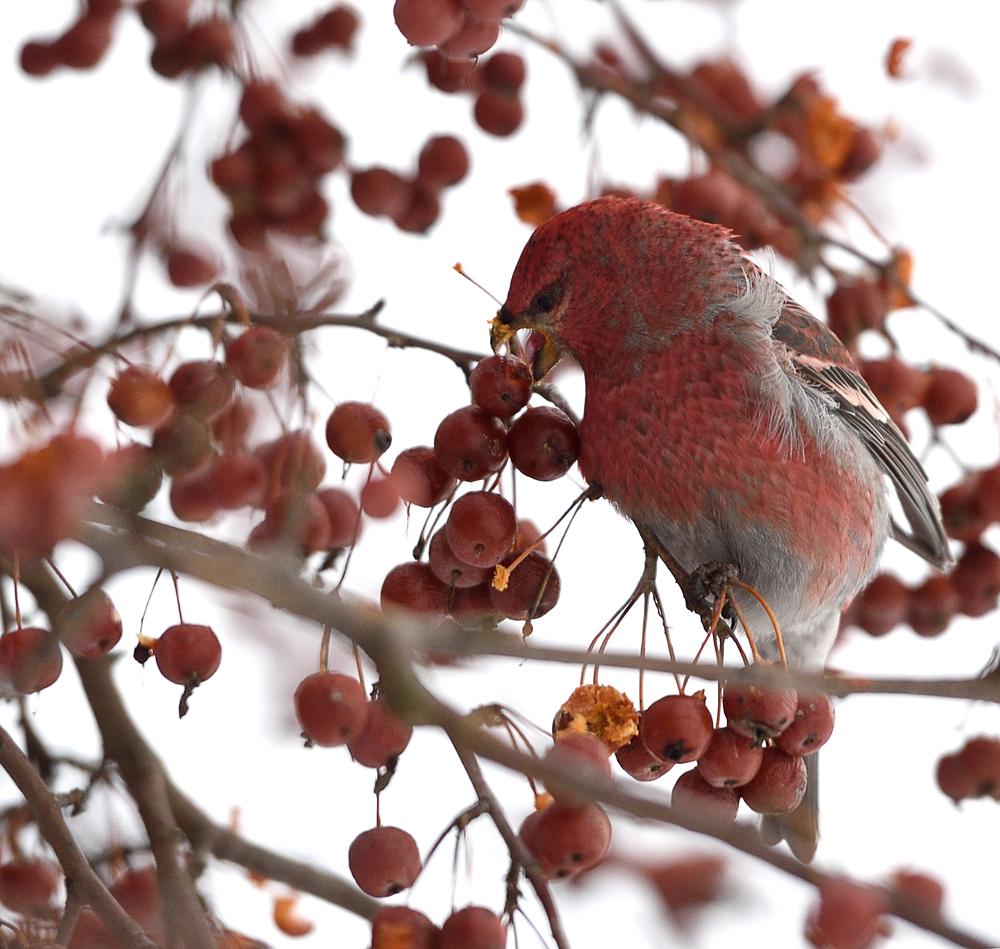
x=358, y=432
x=951, y=397
x=449, y=569
x=257, y=356
x=133, y=478
x=730, y=760
x=501, y=385
x=882, y=606
x=473, y=927
x=758, y=713
x=298, y=520
x=28, y=886
x=981, y=760
x=504, y=73
x=332, y=708
x=693, y=796
x=165, y=19
x=30, y=658
x=580, y=754
x=474, y=37
x=344, y=516
x=190, y=266
x=443, y=162
x=779, y=785
x=677, y=728
x=84, y=44
x=419, y=479
x=187, y=650
x=236, y=480
x=976, y=577
x=954, y=780
x=481, y=528
x=139, y=397
x=933, y=605
x=379, y=498
x=543, y=443
x=447, y=74
x=39, y=59
x=413, y=586
x=811, y=727
x=918, y=891
x=636, y=760
x=427, y=22
x=472, y=607
x=532, y=589
x=567, y=839
x=470, y=444
x=293, y=463
x=89, y=625
x=961, y=513
x=384, y=860
x=498, y=114
x=898, y=386
x=203, y=388
x=849, y=915
x=383, y=738
x=380, y=192
x=421, y=210
x=399, y=927
x=856, y=306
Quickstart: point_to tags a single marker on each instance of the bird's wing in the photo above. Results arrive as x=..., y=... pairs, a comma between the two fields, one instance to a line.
x=823, y=362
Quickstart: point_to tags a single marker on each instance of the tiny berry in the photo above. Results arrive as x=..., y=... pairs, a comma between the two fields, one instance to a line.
x=779, y=785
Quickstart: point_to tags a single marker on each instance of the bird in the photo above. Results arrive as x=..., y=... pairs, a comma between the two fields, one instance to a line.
x=723, y=418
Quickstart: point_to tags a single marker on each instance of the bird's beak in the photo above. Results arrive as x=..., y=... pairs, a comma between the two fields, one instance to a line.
x=539, y=351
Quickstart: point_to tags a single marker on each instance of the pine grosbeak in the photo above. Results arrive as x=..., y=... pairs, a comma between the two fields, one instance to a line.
x=720, y=414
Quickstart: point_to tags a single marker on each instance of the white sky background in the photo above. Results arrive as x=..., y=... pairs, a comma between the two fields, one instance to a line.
x=77, y=157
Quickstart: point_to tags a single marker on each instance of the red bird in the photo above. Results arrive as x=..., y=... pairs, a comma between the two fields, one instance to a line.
x=721, y=415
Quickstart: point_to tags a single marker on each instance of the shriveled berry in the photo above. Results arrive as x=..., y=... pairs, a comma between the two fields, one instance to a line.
x=779, y=785
x=677, y=728
x=384, y=860
x=811, y=727
x=730, y=760
x=331, y=707
x=758, y=713
x=358, y=432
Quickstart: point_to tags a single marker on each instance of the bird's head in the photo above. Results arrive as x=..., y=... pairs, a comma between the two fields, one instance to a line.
x=607, y=276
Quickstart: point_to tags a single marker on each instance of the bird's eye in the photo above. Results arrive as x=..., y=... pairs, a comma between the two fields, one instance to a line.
x=545, y=301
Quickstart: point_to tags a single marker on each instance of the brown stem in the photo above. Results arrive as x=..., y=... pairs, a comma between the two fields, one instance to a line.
x=81, y=879
x=519, y=853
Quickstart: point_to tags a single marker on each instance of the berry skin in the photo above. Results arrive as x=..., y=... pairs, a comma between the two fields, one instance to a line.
x=731, y=759
x=543, y=443
x=30, y=658
x=677, y=728
x=187, y=650
x=501, y=385
x=470, y=444
x=567, y=839
x=473, y=927
x=384, y=861
x=358, y=432
x=331, y=708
